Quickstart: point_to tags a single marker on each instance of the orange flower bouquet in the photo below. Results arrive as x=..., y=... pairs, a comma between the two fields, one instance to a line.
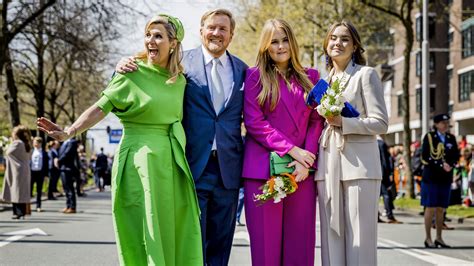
x=277, y=188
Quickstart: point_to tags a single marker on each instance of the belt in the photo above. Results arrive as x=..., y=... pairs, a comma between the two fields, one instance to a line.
x=213, y=154
x=140, y=131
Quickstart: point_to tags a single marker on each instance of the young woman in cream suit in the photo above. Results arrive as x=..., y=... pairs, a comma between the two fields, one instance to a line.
x=349, y=171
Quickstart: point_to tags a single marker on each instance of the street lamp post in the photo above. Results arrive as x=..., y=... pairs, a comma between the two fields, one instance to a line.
x=425, y=80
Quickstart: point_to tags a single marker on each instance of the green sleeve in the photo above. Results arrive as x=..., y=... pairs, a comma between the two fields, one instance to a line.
x=116, y=97
x=104, y=104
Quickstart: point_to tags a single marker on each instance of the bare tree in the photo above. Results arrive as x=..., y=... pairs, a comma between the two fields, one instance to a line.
x=59, y=58
x=11, y=27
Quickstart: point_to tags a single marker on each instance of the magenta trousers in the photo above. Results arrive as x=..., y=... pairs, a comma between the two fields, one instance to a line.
x=282, y=233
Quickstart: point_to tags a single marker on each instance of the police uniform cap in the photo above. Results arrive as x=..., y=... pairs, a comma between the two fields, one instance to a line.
x=440, y=117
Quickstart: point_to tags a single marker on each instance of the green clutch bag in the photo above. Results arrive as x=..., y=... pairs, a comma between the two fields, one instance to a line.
x=278, y=164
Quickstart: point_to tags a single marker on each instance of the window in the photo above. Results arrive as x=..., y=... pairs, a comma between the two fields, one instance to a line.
x=419, y=95
x=466, y=85
x=450, y=77
x=419, y=64
x=450, y=42
x=418, y=100
x=432, y=62
x=468, y=41
x=399, y=105
x=432, y=98
x=419, y=27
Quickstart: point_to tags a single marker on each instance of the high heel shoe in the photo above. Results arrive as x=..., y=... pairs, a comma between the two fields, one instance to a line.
x=441, y=244
x=427, y=245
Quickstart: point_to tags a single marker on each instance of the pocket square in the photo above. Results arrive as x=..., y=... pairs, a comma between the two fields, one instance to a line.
x=242, y=88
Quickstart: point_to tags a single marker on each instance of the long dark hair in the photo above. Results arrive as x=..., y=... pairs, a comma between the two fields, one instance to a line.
x=23, y=134
x=358, y=58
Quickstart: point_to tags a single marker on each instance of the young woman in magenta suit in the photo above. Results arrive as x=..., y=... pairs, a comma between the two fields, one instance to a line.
x=349, y=169
x=277, y=119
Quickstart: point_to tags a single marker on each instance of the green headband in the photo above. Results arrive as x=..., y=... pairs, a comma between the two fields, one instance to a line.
x=177, y=25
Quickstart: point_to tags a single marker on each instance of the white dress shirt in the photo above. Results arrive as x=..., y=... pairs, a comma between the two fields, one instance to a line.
x=37, y=160
x=226, y=73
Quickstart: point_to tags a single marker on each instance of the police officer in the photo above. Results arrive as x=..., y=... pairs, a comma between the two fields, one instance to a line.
x=439, y=155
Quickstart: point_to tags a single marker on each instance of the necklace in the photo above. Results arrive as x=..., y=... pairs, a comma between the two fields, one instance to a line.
x=344, y=79
x=284, y=76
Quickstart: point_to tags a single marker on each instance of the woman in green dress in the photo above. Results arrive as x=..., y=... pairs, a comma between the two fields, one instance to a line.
x=155, y=209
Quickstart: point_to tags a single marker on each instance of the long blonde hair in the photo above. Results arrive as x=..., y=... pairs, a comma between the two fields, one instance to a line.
x=174, y=65
x=266, y=66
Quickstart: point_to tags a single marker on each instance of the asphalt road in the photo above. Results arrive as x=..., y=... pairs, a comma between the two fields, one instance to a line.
x=86, y=238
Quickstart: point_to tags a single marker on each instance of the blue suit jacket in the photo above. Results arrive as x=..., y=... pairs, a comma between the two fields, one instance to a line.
x=201, y=123
x=69, y=158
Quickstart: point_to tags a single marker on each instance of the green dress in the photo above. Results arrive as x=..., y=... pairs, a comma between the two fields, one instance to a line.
x=155, y=207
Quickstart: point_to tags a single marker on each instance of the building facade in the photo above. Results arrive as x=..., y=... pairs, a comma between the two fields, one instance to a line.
x=451, y=67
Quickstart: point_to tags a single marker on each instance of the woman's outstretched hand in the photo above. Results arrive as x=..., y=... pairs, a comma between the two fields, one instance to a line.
x=52, y=129
x=304, y=157
x=126, y=65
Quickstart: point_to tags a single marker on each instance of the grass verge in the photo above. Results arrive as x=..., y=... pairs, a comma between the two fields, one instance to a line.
x=414, y=205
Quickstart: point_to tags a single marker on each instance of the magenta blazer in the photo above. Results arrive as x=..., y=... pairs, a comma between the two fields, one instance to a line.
x=291, y=123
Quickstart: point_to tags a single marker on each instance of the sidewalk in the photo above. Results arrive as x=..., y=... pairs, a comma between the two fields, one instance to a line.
x=416, y=214
x=8, y=206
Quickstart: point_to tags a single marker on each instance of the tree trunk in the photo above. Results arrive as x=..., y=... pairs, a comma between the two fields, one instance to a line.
x=3, y=35
x=73, y=106
x=408, y=24
x=52, y=103
x=41, y=87
x=11, y=95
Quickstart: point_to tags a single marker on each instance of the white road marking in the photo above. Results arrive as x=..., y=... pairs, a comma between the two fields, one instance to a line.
x=242, y=235
x=17, y=235
x=430, y=257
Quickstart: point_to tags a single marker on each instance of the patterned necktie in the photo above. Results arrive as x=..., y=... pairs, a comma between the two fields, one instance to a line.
x=218, y=97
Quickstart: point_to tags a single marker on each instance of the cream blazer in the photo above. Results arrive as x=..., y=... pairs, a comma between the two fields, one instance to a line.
x=355, y=143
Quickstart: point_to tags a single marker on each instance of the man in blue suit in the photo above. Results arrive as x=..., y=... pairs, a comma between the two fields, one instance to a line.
x=214, y=144
x=69, y=166
x=212, y=115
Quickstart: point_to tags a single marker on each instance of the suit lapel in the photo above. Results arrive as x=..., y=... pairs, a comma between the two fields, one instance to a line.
x=236, y=84
x=348, y=73
x=346, y=77
x=287, y=100
x=350, y=91
x=200, y=74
